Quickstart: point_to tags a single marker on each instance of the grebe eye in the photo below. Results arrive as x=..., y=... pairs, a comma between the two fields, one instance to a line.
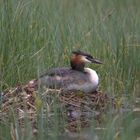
x=89, y=57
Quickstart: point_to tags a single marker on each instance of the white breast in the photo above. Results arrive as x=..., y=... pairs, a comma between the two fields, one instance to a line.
x=93, y=77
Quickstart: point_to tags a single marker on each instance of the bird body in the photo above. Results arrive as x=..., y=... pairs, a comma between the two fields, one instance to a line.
x=70, y=80
x=75, y=78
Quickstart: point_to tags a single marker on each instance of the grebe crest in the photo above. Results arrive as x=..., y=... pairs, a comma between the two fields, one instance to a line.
x=76, y=78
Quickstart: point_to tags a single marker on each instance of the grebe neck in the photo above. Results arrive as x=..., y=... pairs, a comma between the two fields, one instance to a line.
x=78, y=67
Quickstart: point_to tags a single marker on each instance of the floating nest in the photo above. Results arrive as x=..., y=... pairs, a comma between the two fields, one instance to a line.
x=25, y=100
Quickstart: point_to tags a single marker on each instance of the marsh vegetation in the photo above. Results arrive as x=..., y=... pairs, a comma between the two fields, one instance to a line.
x=36, y=35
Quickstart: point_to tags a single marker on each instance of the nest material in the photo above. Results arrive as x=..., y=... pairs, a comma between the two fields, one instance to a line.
x=77, y=106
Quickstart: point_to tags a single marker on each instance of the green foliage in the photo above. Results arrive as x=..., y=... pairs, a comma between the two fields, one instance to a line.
x=39, y=34
x=36, y=35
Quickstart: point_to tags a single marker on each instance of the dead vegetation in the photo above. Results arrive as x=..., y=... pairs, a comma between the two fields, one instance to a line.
x=78, y=108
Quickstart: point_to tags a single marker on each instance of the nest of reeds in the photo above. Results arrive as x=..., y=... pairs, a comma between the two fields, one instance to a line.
x=26, y=101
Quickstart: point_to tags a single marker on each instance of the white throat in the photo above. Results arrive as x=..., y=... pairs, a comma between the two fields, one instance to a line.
x=94, y=79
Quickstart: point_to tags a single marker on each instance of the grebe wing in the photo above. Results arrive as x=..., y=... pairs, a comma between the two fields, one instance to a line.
x=61, y=77
x=56, y=72
x=65, y=73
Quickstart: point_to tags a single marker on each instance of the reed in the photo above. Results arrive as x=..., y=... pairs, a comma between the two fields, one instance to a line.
x=37, y=35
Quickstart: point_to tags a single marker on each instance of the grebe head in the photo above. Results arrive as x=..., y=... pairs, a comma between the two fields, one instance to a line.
x=79, y=59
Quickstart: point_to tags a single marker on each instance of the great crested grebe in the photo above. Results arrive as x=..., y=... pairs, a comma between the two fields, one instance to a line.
x=75, y=78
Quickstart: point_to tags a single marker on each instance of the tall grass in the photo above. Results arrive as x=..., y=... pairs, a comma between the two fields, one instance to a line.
x=36, y=35
x=39, y=34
